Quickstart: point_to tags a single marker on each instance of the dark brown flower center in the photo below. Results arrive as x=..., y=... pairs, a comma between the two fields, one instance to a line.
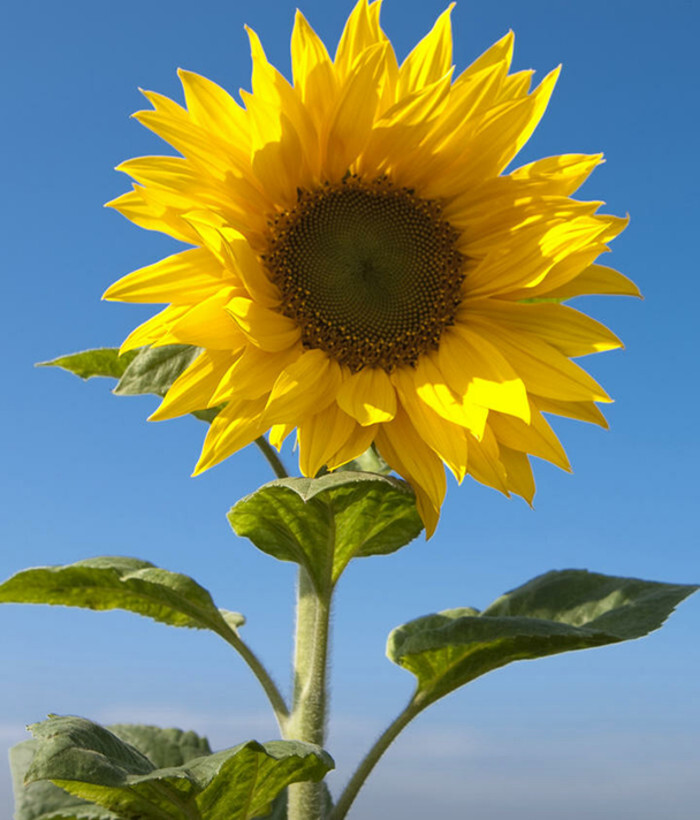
x=369, y=272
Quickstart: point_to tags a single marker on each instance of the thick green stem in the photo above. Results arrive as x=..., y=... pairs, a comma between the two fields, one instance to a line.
x=277, y=702
x=308, y=719
x=371, y=759
x=272, y=458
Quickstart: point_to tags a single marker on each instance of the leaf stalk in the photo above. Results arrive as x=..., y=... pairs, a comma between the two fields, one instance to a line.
x=371, y=759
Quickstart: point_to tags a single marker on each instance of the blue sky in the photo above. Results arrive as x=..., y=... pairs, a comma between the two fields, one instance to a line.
x=604, y=733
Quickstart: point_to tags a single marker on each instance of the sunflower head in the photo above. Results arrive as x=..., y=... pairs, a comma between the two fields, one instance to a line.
x=361, y=267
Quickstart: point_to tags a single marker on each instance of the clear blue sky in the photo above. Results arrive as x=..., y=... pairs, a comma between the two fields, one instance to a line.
x=609, y=733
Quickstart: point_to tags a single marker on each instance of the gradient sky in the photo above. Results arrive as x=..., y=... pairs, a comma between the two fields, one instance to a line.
x=608, y=733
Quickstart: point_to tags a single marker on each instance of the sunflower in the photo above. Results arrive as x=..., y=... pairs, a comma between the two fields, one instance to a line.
x=363, y=271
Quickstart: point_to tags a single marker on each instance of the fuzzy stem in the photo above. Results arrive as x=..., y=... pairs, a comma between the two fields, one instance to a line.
x=272, y=458
x=308, y=719
x=371, y=759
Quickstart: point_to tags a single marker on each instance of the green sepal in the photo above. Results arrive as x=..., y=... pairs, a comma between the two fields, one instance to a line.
x=42, y=800
x=370, y=461
x=556, y=612
x=94, y=764
x=539, y=300
x=323, y=523
x=122, y=583
x=103, y=361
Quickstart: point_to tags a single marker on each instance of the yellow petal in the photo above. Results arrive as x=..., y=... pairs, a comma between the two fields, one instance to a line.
x=475, y=369
x=428, y=382
x=581, y=410
x=253, y=373
x=405, y=452
x=282, y=130
x=430, y=59
x=155, y=329
x=449, y=441
x=596, y=279
x=360, y=33
x=278, y=433
x=172, y=123
x=543, y=369
x=526, y=264
x=236, y=426
x=537, y=438
x=209, y=325
x=492, y=223
x=215, y=109
x=400, y=129
x=265, y=328
x=559, y=274
x=485, y=464
x=500, y=135
x=561, y=174
x=518, y=472
x=357, y=442
x=309, y=384
x=322, y=435
x=246, y=263
x=516, y=85
x=184, y=278
x=193, y=389
x=277, y=152
x=500, y=53
x=181, y=185
x=368, y=396
x=312, y=70
x=470, y=97
x=351, y=121
x=566, y=329
x=539, y=100
x=152, y=217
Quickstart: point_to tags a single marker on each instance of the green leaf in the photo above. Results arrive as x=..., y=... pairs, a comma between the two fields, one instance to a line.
x=149, y=370
x=92, y=763
x=322, y=523
x=121, y=583
x=555, y=612
x=163, y=747
x=278, y=810
x=279, y=806
x=104, y=361
x=42, y=800
x=154, y=369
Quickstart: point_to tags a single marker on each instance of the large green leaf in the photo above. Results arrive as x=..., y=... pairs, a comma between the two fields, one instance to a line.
x=139, y=372
x=555, y=612
x=322, y=523
x=92, y=763
x=163, y=747
x=42, y=800
x=103, y=361
x=122, y=583
x=154, y=369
